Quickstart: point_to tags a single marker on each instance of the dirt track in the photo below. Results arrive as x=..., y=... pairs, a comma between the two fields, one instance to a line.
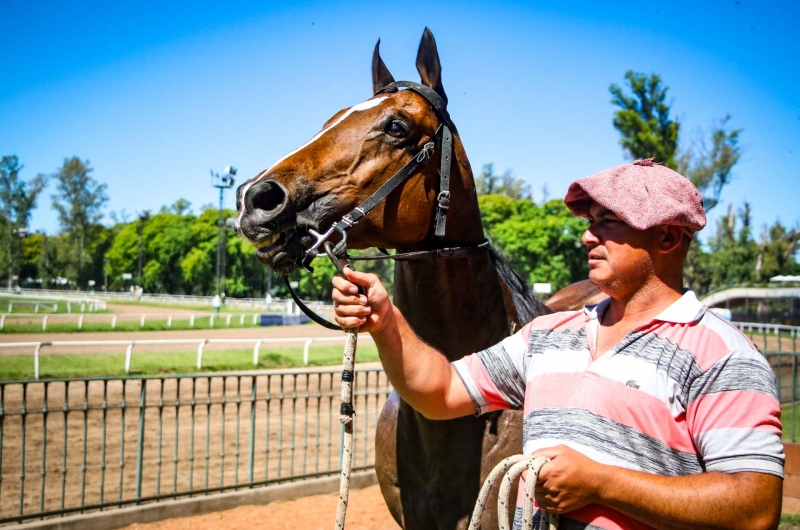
x=366, y=511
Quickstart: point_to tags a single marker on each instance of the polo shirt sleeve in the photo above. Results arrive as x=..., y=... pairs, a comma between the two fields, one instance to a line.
x=495, y=377
x=733, y=414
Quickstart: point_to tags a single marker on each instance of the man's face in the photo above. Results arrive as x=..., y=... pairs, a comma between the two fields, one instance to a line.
x=619, y=255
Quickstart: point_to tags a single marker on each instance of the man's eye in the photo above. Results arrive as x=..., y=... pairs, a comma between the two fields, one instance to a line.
x=396, y=128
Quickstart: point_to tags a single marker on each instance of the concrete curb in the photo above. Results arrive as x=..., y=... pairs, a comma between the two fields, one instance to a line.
x=148, y=513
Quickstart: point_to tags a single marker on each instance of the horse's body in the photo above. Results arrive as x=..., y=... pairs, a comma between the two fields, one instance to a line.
x=430, y=472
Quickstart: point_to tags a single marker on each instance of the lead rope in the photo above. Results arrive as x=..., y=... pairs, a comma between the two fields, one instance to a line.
x=510, y=469
x=346, y=417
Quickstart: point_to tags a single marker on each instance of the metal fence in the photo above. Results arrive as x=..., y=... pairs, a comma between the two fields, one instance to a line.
x=72, y=446
x=206, y=319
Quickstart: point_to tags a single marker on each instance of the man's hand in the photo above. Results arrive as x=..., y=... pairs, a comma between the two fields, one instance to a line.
x=568, y=482
x=368, y=313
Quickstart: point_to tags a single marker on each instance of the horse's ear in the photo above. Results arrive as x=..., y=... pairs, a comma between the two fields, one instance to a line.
x=428, y=65
x=380, y=74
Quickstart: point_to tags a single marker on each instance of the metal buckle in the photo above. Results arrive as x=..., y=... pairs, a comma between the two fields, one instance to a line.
x=321, y=238
x=444, y=200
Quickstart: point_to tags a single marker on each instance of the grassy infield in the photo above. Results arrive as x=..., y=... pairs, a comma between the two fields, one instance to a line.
x=112, y=364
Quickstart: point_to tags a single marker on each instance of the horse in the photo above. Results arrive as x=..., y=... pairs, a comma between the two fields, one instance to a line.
x=429, y=472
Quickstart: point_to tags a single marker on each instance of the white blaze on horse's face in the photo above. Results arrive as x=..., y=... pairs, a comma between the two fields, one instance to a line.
x=370, y=103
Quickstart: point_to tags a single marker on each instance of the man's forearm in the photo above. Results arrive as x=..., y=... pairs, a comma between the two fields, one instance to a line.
x=420, y=374
x=707, y=500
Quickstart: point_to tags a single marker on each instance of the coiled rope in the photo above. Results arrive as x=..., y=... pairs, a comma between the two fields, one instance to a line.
x=510, y=469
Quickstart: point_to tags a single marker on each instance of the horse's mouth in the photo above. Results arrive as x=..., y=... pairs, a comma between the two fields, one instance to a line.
x=283, y=252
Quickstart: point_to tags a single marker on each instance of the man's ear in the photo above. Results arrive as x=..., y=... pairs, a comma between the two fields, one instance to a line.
x=671, y=238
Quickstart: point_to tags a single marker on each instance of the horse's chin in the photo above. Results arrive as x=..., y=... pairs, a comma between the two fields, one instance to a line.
x=283, y=263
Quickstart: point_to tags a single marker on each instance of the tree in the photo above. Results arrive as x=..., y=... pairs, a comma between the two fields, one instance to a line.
x=708, y=163
x=79, y=203
x=17, y=199
x=643, y=119
x=542, y=242
x=487, y=183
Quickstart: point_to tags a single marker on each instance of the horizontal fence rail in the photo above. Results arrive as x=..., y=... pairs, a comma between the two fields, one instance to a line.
x=771, y=337
x=111, y=319
x=73, y=446
x=200, y=344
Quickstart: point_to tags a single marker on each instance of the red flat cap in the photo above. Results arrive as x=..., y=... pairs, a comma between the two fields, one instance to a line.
x=642, y=194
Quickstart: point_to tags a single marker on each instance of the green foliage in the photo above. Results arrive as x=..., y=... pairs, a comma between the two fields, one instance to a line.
x=643, y=119
x=17, y=200
x=487, y=183
x=735, y=257
x=543, y=242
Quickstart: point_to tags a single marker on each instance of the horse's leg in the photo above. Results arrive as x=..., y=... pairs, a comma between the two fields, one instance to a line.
x=386, y=457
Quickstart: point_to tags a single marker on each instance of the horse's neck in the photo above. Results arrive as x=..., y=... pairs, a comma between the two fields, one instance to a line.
x=456, y=305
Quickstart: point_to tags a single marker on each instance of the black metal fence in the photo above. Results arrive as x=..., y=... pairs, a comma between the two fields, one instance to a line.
x=78, y=445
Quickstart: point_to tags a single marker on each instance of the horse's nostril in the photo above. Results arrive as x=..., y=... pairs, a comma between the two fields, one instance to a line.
x=267, y=196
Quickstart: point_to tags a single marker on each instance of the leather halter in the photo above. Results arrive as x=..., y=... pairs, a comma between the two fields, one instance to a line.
x=444, y=137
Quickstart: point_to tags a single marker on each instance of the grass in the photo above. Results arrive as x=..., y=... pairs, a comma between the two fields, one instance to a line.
x=789, y=522
x=179, y=322
x=786, y=420
x=17, y=367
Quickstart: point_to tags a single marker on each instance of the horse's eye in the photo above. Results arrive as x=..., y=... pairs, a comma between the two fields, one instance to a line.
x=396, y=128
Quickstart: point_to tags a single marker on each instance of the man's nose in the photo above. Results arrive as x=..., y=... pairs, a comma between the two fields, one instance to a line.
x=589, y=238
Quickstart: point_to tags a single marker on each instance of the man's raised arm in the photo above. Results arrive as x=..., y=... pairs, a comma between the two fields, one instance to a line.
x=421, y=375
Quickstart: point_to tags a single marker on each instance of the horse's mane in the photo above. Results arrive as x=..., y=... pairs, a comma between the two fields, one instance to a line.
x=526, y=304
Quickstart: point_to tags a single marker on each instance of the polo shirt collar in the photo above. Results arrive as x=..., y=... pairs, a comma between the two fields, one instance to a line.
x=685, y=310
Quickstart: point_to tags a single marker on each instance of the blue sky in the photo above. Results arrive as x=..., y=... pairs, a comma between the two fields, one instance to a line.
x=156, y=94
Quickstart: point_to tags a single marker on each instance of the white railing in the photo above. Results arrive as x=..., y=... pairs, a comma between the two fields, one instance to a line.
x=251, y=303
x=201, y=343
x=759, y=327
x=114, y=318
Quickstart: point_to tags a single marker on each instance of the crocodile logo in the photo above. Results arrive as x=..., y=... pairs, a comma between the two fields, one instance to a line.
x=631, y=383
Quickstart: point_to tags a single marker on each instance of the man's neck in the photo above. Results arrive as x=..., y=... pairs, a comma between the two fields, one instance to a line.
x=641, y=306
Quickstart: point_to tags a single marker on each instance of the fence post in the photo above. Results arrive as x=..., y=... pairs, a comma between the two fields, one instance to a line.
x=169, y=321
x=191, y=321
x=241, y=320
x=141, y=322
x=2, y=321
x=36, y=308
x=114, y=322
x=200, y=355
x=228, y=321
x=252, y=445
x=80, y=322
x=55, y=308
x=36, y=359
x=44, y=323
x=211, y=321
x=140, y=441
x=10, y=307
x=305, y=351
x=128, y=358
x=255, y=353
x=794, y=393
x=254, y=319
x=83, y=306
x=69, y=307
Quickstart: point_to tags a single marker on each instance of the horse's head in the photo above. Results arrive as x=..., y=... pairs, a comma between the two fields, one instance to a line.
x=356, y=151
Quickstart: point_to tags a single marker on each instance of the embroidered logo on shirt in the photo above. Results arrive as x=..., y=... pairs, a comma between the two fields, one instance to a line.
x=631, y=383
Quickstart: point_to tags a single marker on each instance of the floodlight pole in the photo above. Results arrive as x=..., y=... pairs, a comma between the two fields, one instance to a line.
x=221, y=182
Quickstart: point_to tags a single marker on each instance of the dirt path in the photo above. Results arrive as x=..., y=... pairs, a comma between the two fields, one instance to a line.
x=366, y=511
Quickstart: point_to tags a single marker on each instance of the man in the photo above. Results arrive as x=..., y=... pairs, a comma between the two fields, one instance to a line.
x=655, y=412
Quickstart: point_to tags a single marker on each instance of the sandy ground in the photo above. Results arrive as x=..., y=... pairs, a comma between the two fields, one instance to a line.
x=366, y=511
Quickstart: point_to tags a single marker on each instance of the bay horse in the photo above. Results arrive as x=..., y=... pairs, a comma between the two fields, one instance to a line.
x=429, y=471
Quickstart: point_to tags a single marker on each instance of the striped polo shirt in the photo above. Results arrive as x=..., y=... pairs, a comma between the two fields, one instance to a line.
x=685, y=393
